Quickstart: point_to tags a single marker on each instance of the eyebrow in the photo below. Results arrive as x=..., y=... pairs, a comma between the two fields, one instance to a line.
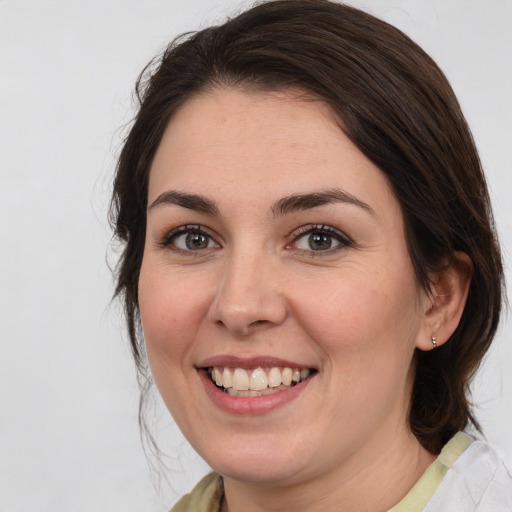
x=286, y=205
x=299, y=202
x=190, y=201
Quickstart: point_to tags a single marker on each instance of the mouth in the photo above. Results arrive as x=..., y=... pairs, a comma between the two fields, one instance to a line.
x=259, y=381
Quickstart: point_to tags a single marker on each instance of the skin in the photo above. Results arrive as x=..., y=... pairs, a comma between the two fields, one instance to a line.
x=353, y=312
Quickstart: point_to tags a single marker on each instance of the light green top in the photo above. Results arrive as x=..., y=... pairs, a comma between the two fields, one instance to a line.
x=418, y=497
x=206, y=496
x=208, y=493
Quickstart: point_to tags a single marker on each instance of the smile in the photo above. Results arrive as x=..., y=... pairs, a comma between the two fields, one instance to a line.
x=261, y=381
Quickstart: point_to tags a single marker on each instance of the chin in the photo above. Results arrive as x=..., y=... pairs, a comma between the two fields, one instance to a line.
x=260, y=459
x=261, y=471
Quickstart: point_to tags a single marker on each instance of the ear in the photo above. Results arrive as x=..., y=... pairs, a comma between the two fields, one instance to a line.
x=446, y=301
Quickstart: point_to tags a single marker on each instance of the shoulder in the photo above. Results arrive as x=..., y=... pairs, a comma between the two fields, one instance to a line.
x=205, y=497
x=478, y=481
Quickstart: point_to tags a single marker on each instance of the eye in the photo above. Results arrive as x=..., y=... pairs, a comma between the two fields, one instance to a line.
x=316, y=241
x=188, y=238
x=319, y=239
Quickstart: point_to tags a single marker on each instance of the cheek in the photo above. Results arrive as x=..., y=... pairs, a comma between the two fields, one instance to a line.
x=171, y=309
x=364, y=331
x=360, y=312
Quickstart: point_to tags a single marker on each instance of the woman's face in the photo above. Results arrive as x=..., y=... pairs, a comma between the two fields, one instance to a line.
x=273, y=243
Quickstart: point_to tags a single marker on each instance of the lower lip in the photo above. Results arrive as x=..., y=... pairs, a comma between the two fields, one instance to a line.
x=251, y=405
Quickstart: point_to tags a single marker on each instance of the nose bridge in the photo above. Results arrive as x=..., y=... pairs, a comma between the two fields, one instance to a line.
x=248, y=296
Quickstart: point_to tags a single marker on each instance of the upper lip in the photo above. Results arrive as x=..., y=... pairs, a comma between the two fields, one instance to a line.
x=231, y=361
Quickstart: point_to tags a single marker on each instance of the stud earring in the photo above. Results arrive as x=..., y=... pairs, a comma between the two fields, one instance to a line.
x=434, y=342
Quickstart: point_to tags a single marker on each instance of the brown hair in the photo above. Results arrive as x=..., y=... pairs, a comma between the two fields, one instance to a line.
x=397, y=107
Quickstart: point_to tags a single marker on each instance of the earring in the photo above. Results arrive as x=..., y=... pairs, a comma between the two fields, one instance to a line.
x=434, y=342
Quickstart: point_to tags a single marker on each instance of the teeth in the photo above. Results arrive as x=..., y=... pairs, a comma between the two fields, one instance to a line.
x=217, y=377
x=259, y=380
x=243, y=382
x=243, y=392
x=286, y=377
x=250, y=393
x=227, y=379
x=274, y=378
x=240, y=380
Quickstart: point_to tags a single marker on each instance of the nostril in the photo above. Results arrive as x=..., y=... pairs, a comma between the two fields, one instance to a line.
x=248, y=314
x=257, y=322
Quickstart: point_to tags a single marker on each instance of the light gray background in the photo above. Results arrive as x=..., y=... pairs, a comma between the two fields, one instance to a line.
x=68, y=397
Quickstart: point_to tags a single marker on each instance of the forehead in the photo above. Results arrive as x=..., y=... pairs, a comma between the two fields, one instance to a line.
x=265, y=144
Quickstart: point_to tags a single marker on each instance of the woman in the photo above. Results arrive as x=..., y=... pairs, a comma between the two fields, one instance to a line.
x=311, y=266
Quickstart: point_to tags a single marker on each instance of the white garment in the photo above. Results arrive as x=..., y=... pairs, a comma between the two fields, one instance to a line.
x=478, y=481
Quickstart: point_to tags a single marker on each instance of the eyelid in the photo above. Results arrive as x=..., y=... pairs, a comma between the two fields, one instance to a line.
x=343, y=239
x=166, y=241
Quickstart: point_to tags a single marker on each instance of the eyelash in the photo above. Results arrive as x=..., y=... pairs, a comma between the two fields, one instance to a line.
x=169, y=239
x=321, y=229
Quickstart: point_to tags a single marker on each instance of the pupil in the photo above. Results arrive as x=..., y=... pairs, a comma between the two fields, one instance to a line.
x=196, y=241
x=320, y=241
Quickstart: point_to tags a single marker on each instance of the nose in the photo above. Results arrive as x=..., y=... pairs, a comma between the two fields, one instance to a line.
x=248, y=297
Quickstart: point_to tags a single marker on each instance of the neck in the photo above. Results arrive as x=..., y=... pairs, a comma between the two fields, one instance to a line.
x=373, y=481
